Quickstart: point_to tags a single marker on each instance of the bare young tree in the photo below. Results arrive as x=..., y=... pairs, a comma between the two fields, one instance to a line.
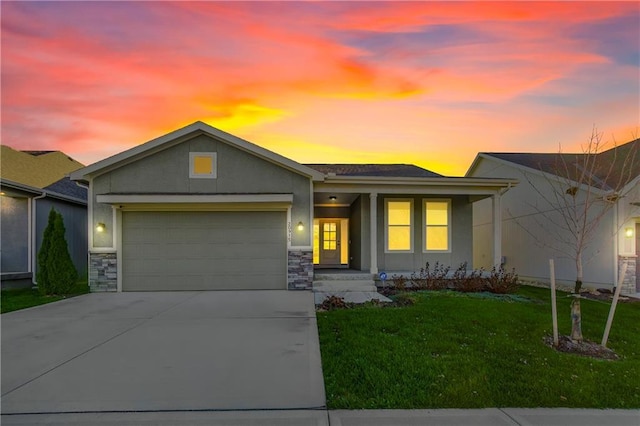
x=579, y=190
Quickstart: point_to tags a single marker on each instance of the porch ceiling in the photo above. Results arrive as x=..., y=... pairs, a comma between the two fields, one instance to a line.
x=341, y=199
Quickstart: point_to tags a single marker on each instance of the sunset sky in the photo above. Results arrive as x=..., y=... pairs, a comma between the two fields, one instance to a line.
x=428, y=83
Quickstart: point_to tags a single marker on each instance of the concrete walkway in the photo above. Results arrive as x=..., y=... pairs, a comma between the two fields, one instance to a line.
x=163, y=351
x=452, y=417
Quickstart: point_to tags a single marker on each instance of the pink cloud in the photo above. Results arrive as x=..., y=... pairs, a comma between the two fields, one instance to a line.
x=345, y=76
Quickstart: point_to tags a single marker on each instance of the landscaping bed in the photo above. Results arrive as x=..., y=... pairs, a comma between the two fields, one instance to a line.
x=471, y=350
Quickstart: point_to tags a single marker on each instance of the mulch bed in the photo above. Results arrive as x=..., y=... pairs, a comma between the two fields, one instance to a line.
x=607, y=296
x=584, y=348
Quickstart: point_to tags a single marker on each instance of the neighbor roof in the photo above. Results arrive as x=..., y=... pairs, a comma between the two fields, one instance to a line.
x=615, y=167
x=35, y=168
x=381, y=170
x=66, y=186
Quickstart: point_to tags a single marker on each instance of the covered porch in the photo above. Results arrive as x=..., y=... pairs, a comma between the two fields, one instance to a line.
x=369, y=225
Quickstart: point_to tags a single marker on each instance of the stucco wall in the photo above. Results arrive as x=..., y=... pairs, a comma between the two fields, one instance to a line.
x=15, y=234
x=167, y=171
x=461, y=237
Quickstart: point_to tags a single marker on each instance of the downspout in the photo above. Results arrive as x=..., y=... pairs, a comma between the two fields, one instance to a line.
x=34, y=215
x=616, y=241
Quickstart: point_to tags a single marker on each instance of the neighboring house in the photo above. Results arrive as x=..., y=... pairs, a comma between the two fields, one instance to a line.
x=35, y=168
x=527, y=245
x=200, y=209
x=24, y=212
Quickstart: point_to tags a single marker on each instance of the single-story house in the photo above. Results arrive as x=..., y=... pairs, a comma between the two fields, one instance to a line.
x=24, y=212
x=529, y=239
x=201, y=209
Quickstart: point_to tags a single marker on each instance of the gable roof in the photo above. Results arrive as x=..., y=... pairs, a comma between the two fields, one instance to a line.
x=19, y=189
x=66, y=186
x=185, y=133
x=614, y=168
x=35, y=168
x=380, y=170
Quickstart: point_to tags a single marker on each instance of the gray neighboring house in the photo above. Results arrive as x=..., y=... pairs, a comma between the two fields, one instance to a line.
x=24, y=214
x=201, y=209
x=616, y=240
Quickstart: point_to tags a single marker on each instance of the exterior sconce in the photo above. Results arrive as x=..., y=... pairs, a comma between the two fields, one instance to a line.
x=300, y=226
x=628, y=232
x=101, y=227
x=333, y=197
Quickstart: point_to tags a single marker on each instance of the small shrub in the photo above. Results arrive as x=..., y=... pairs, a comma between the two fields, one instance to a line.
x=399, y=282
x=56, y=273
x=464, y=282
x=501, y=281
x=404, y=299
x=431, y=279
x=332, y=303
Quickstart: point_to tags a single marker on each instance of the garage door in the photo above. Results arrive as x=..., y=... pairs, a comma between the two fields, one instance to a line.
x=203, y=251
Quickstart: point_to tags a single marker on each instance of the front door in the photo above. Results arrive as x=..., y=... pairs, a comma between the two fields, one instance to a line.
x=330, y=242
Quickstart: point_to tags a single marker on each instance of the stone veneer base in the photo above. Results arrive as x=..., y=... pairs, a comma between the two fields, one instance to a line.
x=103, y=272
x=300, y=270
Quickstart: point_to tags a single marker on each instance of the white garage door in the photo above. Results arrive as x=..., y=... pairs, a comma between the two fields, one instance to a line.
x=203, y=251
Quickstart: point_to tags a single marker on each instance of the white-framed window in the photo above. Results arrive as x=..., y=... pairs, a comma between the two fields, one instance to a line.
x=203, y=165
x=398, y=223
x=437, y=225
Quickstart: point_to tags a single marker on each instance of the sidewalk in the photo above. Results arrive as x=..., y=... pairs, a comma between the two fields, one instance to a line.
x=448, y=417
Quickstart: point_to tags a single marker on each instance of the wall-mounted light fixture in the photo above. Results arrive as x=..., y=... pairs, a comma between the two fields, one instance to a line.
x=300, y=226
x=101, y=227
x=333, y=197
x=628, y=232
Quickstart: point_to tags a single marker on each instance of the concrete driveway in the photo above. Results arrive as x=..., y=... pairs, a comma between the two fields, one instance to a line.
x=163, y=351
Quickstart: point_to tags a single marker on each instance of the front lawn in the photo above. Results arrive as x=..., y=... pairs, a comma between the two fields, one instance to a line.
x=456, y=350
x=15, y=299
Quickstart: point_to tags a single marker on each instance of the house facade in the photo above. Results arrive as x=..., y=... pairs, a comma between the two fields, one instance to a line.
x=530, y=238
x=24, y=212
x=200, y=209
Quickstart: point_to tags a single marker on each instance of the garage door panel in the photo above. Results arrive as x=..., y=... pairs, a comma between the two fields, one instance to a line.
x=203, y=250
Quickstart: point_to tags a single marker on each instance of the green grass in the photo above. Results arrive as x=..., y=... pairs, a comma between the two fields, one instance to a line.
x=456, y=350
x=15, y=299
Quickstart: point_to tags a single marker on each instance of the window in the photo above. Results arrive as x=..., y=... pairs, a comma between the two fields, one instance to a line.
x=398, y=225
x=437, y=219
x=202, y=165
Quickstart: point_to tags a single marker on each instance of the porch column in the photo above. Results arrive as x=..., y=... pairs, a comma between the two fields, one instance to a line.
x=497, y=229
x=373, y=231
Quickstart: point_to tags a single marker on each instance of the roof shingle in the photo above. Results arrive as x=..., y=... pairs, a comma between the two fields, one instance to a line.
x=381, y=170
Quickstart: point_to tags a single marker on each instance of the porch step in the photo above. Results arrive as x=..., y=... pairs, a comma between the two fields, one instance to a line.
x=319, y=276
x=344, y=285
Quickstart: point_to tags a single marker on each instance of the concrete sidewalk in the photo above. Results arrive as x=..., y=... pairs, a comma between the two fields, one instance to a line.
x=449, y=417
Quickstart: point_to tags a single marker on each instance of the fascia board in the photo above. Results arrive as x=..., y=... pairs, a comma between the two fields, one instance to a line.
x=193, y=198
x=21, y=187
